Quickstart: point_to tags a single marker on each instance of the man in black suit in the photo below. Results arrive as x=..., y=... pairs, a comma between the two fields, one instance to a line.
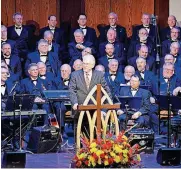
x=143, y=39
x=5, y=40
x=146, y=23
x=58, y=34
x=20, y=34
x=165, y=32
x=12, y=61
x=121, y=34
x=174, y=37
x=150, y=60
x=76, y=47
x=89, y=33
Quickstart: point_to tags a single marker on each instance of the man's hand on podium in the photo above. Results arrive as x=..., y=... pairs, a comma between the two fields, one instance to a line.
x=75, y=106
x=136, y=115
x=119, y=112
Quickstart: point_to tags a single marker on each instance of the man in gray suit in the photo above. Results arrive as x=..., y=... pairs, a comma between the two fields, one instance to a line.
x=82, y=82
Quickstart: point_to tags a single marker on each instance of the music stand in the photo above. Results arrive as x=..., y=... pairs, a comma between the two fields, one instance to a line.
x=20, y=102
x=169, y=103
x=130, y=104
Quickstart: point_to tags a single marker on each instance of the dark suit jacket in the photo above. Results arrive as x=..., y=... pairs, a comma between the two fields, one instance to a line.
x=27, y=87
x=150, y=63
x=14, y=68
x=144, y=94
x=174, y=82
x=120, y=32
x=34, y=57
x=50, y=78
x=166, y=47
x=90, y=35
x=135, y=45
x=114, y=85
x=119, y=51
x=22, y=41
x=75, y=53
x=60, y=84
x=78, y=89
x=58, y=36
x=152, y=33
x=104, y=61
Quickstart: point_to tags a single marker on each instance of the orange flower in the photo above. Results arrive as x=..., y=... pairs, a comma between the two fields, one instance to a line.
x=110, y=160
x=79, y=163
x=86, y=162
x=102, y=155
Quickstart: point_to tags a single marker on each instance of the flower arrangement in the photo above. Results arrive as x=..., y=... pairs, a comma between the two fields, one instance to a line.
x=107, y=152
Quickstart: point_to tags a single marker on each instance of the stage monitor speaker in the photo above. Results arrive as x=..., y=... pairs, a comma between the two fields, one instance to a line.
x=169, y=156
x=44, y=139
x=14, y=160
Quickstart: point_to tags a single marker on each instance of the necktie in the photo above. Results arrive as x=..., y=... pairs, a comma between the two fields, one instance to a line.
x=87, y=80
x=43, y=55
x=34, y=82
x=112, y=74
x=134, y=89
x=3, y=85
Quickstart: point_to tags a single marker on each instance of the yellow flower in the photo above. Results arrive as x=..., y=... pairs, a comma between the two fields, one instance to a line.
x=93, y=150
x=82, y=155
x=125, y=138
x=138, y=157
x=99, y=152
x=117, y=149
x=106, y=162
x=92, y=145
x=125, y=160
x=92, y=160
x=125, y=152
x=117, y=159
x=112, y=154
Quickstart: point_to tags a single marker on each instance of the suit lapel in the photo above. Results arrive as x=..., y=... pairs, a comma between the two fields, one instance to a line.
x=83, y=79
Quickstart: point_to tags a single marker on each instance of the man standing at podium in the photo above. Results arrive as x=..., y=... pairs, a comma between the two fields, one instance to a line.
x=82, y=82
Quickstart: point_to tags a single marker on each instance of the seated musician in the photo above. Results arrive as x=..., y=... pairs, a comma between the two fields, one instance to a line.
x=35, y=85
x=141, y=116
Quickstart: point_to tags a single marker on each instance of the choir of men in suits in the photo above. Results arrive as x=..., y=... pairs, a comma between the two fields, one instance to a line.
x=89, y=33
x=146, y=23
x=141, y=116
x=143, y=39
x=121, y=35
x=12, y=61
x=76, y=47
x=58, y=34
x=174, y=37
x=165, y=32
x=150, y=60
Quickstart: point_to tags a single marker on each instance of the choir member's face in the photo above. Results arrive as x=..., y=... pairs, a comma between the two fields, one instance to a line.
x=109, y=50
x=143, y=34
x=3, y=33
x=4, y=74
x=143, y=52
x=78, y=65
x=6, y=50
x=134, y=82
x=111, y=35
x=43, y=47
x=52, y=22
x=112, y=20
x=65, y=72
x=79, y=38
x=82, y=20
x=41, y=69
x=49, y=39
x=18, y=20
x=169, y=59
x=174, y=49
x=141, y=64
x=86, y=51
x=128, y=73
x=33, y=71
x=145, y=19
x=171, y=21
x=113, y=66
x=168, y=71
x=174, y=34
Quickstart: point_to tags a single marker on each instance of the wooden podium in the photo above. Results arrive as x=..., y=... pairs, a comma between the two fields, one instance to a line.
x=97, y=106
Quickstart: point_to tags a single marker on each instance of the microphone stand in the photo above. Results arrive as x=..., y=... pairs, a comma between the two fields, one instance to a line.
x=158, y=48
